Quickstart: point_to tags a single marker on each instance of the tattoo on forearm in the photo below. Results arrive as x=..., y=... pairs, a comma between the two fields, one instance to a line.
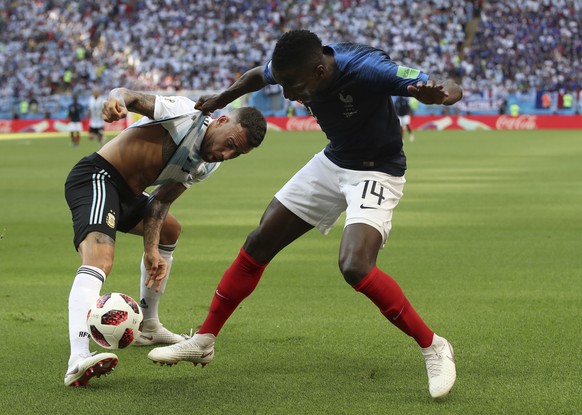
x=155, y=214
x=158, y=210
x=142, y=104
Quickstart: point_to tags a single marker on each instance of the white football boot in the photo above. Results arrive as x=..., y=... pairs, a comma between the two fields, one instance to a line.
x=440, y=365
x=83, y=368
x=155, y=333
x=198, y=349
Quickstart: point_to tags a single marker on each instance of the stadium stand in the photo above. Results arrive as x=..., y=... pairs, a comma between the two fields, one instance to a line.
x=51, y=49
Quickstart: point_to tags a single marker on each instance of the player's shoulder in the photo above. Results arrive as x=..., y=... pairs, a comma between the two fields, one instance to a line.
x=174, y=99
x=350, y=50
x=355, y=56
x=169, y=106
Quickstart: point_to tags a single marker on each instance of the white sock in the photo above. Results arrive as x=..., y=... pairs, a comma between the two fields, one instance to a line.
x=84, y=292
x=150, y=299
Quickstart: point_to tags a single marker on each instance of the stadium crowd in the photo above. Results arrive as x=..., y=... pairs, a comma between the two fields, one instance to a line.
x=53, y=48
x=529, y=44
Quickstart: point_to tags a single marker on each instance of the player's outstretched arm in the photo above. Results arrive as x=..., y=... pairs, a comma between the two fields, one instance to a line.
x=436, y=92
x=155, y=214
x=123, y=100
x=252, y=80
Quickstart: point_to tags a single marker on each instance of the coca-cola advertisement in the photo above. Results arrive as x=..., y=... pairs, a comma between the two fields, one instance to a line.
x=453, y=122
x=308, y=123
x=521, y=122
x=494, y=122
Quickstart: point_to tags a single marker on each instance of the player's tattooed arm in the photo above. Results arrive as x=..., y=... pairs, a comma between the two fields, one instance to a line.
x=123, y=100
x=434, y=91
x=156, y=211
x=155, y=214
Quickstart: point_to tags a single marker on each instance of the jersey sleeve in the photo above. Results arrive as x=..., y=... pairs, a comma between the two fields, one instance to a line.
x=268, y=74
x=168, y=107
x=381, y=73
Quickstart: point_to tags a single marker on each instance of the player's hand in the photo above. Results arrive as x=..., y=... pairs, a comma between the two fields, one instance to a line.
x=157, y=269
x=428, y=93
x=209, y=103
x=113, y=110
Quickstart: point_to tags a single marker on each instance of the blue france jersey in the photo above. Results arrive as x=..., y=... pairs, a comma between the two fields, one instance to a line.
x=356, y=111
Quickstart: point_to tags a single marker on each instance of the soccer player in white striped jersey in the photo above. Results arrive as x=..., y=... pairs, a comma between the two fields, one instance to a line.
x=96, y=123
x=173, y=146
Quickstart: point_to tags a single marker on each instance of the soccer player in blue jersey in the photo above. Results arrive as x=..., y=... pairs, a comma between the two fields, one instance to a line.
x=75, y=125
x=172, y=146
x=348, y=89
x=404, y=113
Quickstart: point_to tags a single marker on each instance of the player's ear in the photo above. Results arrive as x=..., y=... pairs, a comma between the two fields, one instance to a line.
x=223, y=119
x=320, y=71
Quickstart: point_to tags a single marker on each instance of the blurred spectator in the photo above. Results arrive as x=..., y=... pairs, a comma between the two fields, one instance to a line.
x=96, y=123
x=514, y=109
x=567, y=100
x=503, y=106
x=33, y=105
x=23, y=108
x=404, y=112
x=75, y=125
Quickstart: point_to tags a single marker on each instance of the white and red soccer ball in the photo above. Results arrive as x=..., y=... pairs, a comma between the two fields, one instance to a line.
x=115, y=321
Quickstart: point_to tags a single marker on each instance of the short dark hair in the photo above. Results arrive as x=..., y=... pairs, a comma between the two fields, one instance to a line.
x=253, y=121
x=296, y=48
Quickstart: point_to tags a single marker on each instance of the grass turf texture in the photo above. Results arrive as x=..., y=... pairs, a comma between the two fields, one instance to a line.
x=486, y=245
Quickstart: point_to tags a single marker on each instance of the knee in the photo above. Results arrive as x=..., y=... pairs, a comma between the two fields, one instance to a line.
x=255, y=247
x=252, y=244
x=106, y=267
x=353, y=268
x=104, y=263
x=170, y=231
x=98, y=250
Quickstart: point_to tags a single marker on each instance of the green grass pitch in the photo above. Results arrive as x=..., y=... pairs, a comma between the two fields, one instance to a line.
x=486, y=244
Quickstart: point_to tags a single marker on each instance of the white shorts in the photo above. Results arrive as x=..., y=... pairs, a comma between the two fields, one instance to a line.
x=75, y=127
x=404, y=120
x=321, y=191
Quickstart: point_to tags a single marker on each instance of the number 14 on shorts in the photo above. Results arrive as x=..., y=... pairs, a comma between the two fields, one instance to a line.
x=372, y=195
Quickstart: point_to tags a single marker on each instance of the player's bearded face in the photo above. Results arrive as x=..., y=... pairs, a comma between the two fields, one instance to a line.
x=224, y=141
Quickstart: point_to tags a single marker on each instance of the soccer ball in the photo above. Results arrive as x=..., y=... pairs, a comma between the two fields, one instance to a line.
x=115, y=321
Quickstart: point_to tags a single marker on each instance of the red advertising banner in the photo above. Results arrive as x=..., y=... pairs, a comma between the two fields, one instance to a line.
x=454, y=122
x=502, y=122
x=308, y=123
x=50, y=126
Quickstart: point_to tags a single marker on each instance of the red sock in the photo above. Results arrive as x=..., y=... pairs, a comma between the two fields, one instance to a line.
x=389, y=298
x=237, y=283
